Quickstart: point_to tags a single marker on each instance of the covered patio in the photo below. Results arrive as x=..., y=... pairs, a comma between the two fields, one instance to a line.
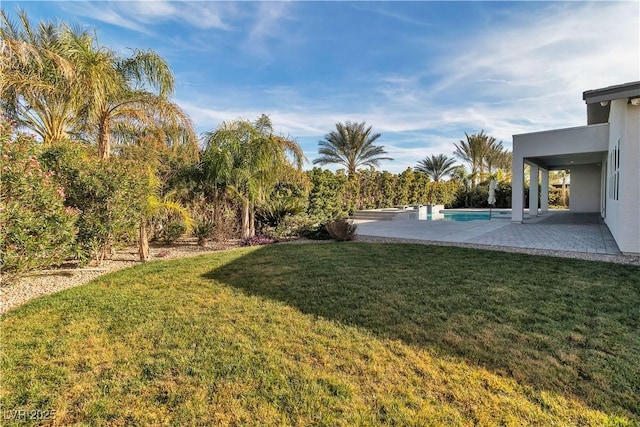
x=582, y=150
x=602, y=157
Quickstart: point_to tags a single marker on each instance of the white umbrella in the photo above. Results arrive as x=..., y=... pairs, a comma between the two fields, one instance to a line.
x=492, y=195
x=492, y=192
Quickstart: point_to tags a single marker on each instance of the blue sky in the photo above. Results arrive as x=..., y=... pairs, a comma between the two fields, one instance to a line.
x=420, y=73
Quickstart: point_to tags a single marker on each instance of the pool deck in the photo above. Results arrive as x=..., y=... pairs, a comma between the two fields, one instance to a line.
x=555, y=230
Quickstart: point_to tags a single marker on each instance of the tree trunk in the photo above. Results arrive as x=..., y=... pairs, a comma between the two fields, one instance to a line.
x=218, y=230
x=252, y=221
x=245, y=232
x=104, y=142
x=143, y=241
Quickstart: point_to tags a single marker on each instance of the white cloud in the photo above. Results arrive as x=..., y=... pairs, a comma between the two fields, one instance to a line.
x=204, y=15
x=105, y=13
x=148, y=11
x=539, y=65
x=140, y=15
x=268, y=25
x=255, y=24
x=525, y=74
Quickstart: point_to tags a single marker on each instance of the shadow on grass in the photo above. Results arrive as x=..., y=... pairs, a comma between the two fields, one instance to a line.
x=567, y=326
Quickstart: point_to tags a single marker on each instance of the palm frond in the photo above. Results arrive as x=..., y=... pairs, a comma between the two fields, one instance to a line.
x=351, y=145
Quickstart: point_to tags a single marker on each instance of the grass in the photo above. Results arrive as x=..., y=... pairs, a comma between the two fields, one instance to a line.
x=334, y=334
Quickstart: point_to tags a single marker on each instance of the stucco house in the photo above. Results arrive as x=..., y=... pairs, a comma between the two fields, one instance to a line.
x=604, y=159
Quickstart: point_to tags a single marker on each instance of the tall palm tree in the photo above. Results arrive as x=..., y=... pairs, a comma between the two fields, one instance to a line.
x=474, y=151
x=125, y=106
x=497, y=158
x=351, y=145
x=246, y=160
x=437, y=167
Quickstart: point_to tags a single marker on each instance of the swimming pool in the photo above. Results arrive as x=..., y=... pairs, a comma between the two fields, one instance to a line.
x=462, y=216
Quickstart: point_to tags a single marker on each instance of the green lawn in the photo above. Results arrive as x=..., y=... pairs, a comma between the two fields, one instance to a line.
x=334, y=334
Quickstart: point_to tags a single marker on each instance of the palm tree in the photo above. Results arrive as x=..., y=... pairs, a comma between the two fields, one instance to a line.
x=59, y=82
x=138, y=110
x=154, y=206
x=352, y=146
x=497, y=158
x=474, y=151
x=246, y=160
x=50, y=74
x=460, y=175
x=436, y=167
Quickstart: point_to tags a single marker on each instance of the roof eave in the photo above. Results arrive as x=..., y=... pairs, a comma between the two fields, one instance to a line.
x=626, y=90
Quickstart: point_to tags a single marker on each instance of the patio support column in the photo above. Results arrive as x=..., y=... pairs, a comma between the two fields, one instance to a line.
x=517, y=188
x=544, y=190
x=533, y=190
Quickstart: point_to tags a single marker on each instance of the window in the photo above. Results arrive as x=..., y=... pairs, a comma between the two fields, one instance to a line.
x=613, y=182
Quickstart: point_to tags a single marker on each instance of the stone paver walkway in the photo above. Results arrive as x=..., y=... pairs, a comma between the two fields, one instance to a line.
x=558, y=231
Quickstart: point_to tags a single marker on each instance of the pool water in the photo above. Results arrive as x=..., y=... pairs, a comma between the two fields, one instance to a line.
x=461, y=216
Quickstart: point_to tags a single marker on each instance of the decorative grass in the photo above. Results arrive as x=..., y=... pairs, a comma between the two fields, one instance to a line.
x=333, y=334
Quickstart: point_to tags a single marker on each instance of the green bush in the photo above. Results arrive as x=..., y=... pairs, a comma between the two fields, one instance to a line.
x=503, y=195
x=556, y=199
x=377, y=189
x=172, y=232
x=316, y=231
x=203, y=230
x=479, y=196
x=272, y=212
x=442, y=192
x=109, y=195
x=327, y=196
x=290, y=226
x=38, y=231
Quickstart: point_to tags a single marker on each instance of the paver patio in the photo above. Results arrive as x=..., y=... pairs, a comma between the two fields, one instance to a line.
x=559, y=230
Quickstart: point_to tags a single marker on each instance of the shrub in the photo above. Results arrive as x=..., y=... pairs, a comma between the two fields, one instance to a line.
x=272, y=212
x=109, y=195
x=38, y=231
x=328, y=194
x=316, y=231
x=442, y=192
x=341, y=230
x=203, y=230
x=290, y=226
x=172, y=232
x=227, y=225
x=557, y=199
x=478, y=196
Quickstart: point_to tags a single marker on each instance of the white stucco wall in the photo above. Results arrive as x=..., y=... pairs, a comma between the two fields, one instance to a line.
x=623, y=215
x=585, y=188
x=582, y=139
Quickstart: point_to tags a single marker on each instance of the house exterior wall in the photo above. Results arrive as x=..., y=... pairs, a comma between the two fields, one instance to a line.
x=585, y=188
x=623, y=166
x=582, y=139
